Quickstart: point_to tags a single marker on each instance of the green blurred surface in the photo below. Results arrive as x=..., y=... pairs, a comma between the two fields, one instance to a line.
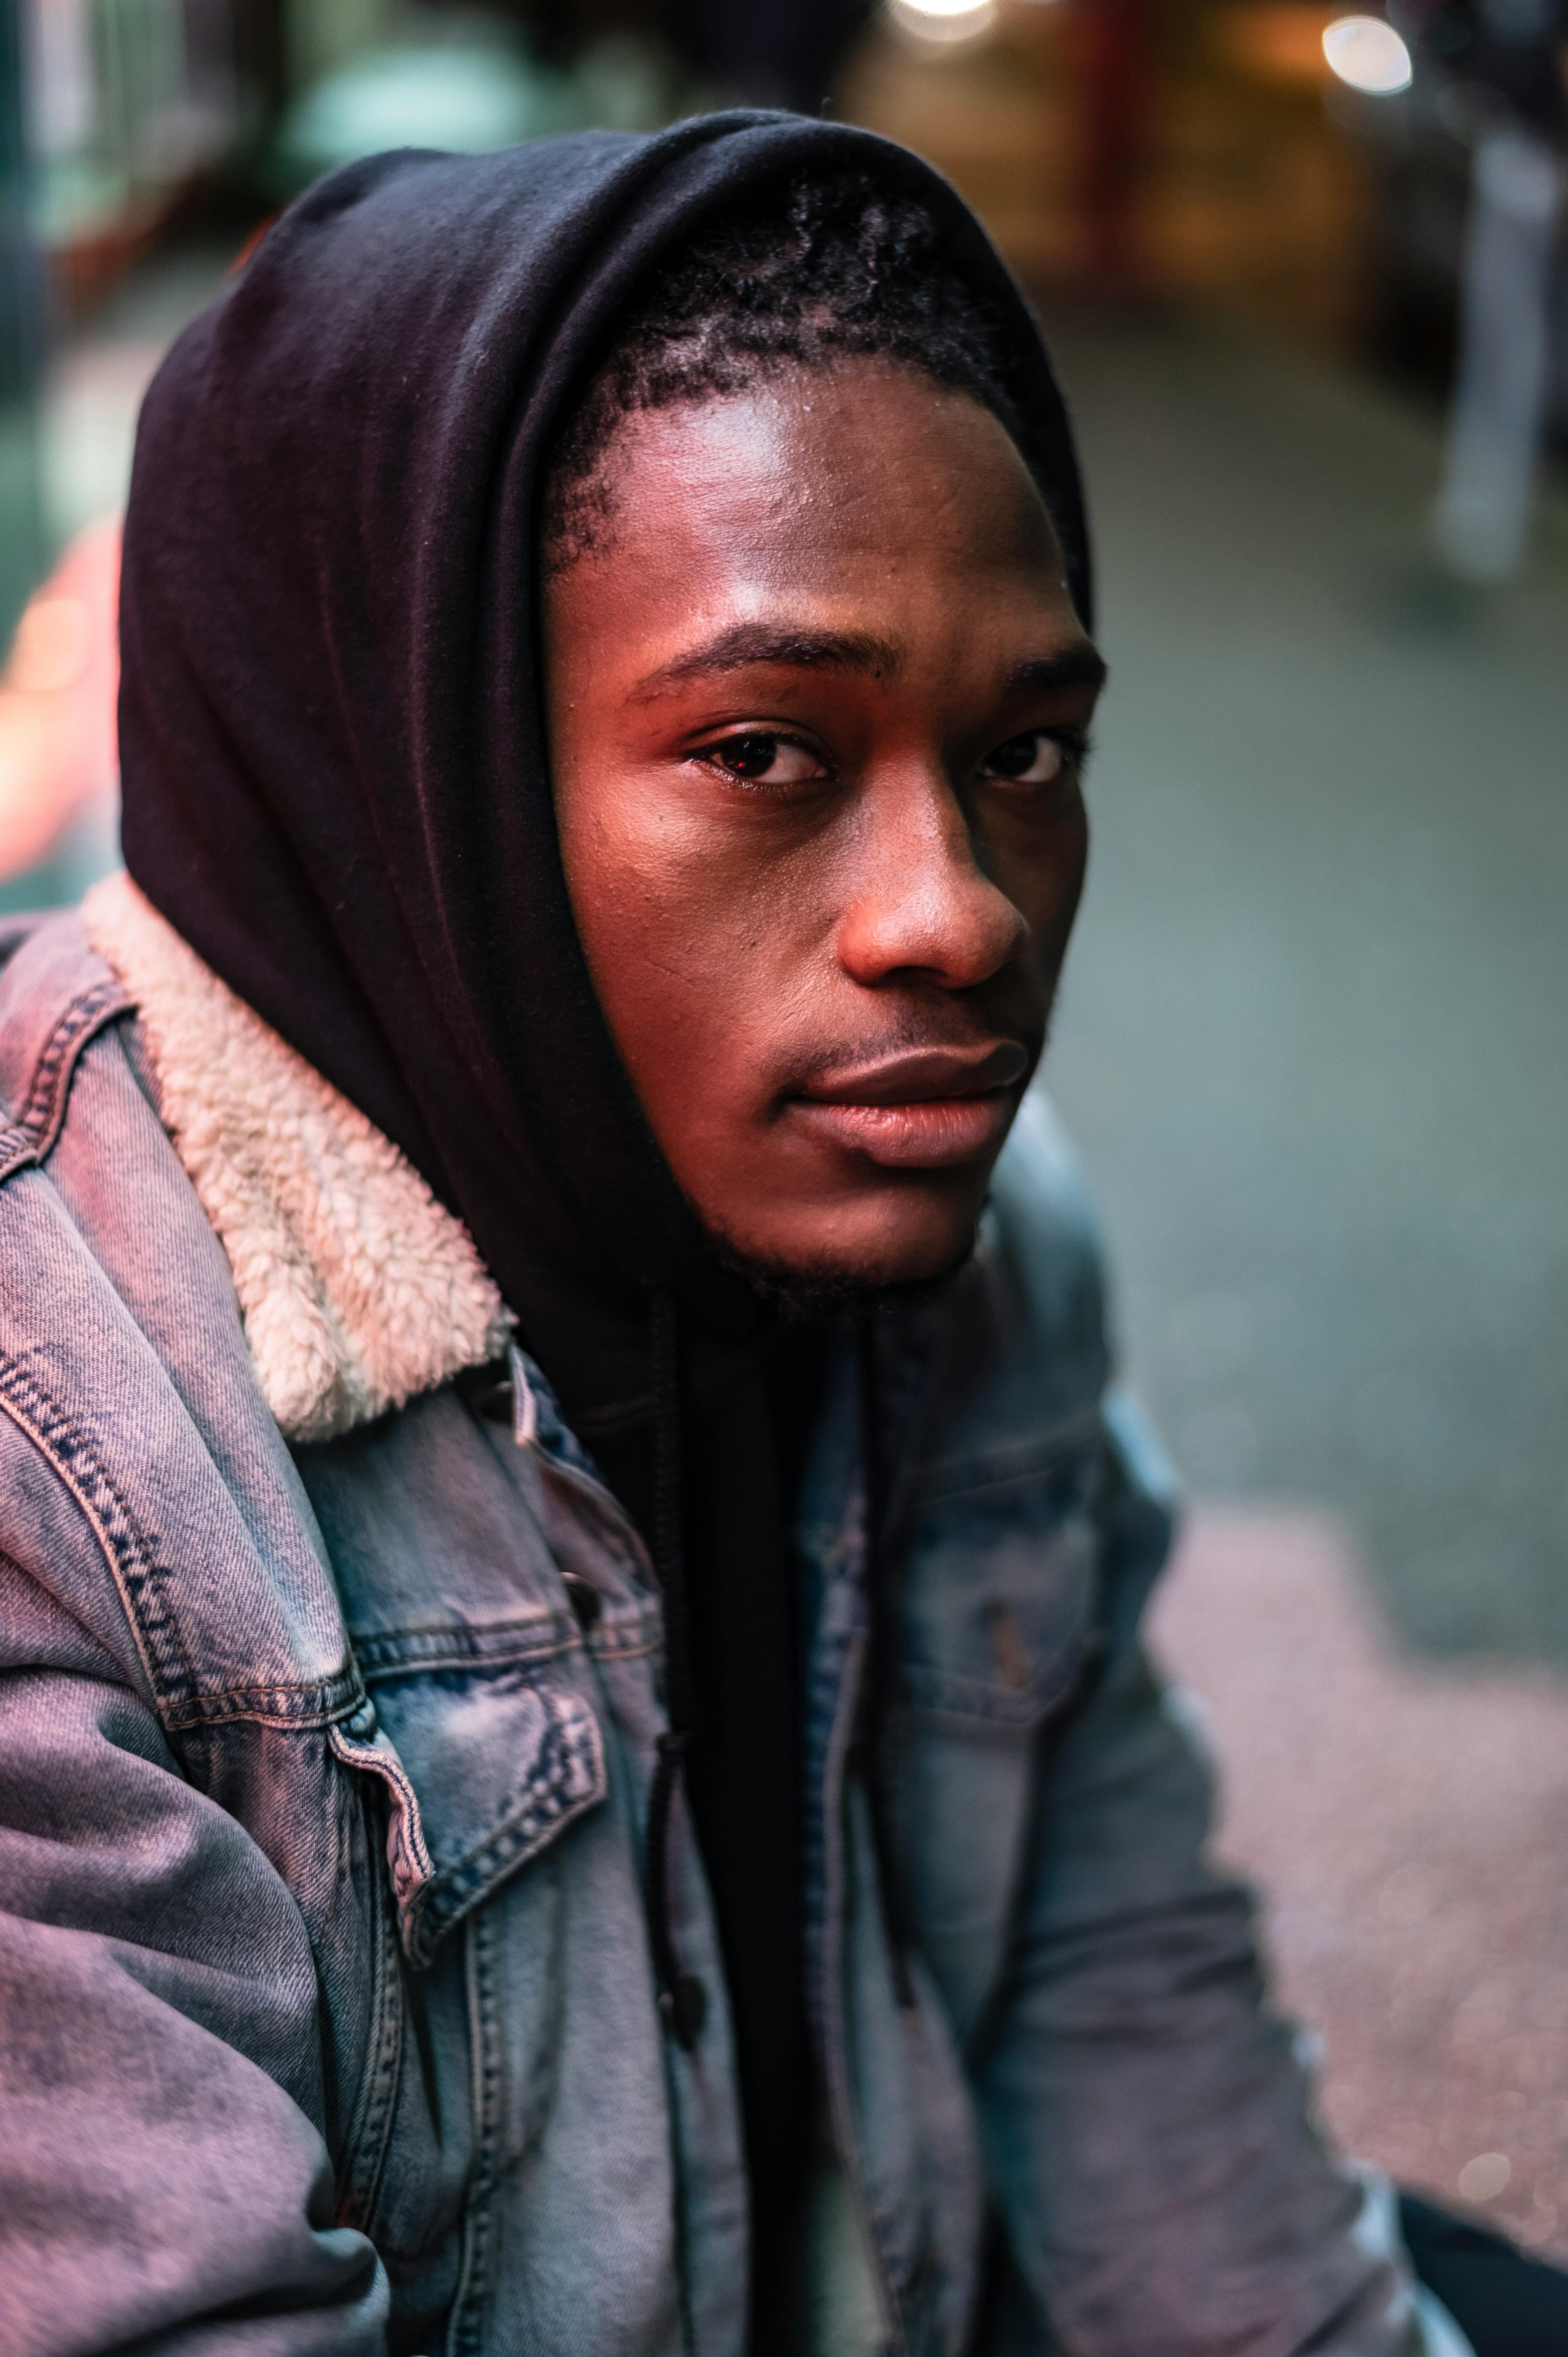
x=20, y=535
x=1311, y=1032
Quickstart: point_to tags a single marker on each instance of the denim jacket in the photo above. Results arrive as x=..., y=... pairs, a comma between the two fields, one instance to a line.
x=331, y=1685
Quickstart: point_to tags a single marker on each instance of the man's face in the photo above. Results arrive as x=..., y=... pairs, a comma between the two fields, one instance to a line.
x=817, y=704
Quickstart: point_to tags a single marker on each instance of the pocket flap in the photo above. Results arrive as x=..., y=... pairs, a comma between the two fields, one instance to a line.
x=482, y=1773
x=1000, y=1597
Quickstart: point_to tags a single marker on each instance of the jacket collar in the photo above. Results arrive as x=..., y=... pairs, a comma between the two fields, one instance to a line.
x=359, y=1290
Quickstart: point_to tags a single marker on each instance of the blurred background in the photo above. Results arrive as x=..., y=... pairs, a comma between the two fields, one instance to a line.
x=1303, y=269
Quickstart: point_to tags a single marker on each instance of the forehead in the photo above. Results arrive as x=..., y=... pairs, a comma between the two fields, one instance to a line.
x=869, y=475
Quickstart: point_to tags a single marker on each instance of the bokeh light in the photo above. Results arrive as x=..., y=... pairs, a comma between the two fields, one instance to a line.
x=1367, y=53
x=943, y=24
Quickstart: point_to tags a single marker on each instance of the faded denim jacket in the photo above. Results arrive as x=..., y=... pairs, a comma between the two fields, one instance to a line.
x=327, y=1729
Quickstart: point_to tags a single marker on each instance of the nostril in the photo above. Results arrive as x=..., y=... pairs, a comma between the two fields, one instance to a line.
x=928, y=906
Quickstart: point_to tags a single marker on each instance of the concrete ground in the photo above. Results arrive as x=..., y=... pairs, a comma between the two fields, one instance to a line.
x=1404, y=1820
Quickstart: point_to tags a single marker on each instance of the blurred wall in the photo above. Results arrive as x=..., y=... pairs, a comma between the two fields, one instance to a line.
x=1204, y=129
x=20, y=334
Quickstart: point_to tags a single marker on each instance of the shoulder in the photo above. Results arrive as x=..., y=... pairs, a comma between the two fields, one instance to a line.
x=1020, y=1348
x=146, y=1495
x=56, y=998
x=1043, y=1225
x=1022, y=1362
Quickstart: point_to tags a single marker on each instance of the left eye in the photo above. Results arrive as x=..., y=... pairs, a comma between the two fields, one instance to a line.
x=1031, y=759
x=764, y=760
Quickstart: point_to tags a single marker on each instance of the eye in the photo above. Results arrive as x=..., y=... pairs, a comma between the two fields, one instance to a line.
x=763, y=759
x=1036, y=759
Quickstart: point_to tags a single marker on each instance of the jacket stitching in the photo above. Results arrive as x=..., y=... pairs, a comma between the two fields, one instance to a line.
x=407, y=1854
x=567, y=1778
x=452, y=1893
x=142, y=1580
x=409, y=1653
x=1074, y=1447
x=398, y=1652
x=307, y=1702
x=370, y=2137
x=17, y=1150
x=44, y=1110
x=465, y=2331
x=129, y=1553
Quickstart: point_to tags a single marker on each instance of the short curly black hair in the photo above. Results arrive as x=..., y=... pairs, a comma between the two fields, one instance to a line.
x=824, y=268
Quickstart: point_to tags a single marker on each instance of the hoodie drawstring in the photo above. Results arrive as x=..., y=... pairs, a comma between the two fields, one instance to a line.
x=683, y=2001
x=871, y=1753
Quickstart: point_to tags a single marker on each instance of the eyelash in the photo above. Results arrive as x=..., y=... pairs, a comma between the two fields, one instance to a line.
x=1074, y=742
x=711, y=754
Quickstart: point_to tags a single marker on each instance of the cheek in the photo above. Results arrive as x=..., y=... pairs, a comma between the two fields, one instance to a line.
x=686, y=953
x=1041, y=868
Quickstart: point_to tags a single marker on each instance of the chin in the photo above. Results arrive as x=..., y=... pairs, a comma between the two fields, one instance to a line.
x=834, y=1282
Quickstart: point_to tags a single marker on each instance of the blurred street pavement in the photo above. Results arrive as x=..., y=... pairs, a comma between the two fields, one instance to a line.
x=1313, y=1032
x=1404, y=1824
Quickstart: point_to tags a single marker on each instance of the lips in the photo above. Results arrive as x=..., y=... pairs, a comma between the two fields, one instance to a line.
x=924, y=1109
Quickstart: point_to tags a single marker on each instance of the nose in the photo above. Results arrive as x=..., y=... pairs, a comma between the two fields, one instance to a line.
x=921, y=902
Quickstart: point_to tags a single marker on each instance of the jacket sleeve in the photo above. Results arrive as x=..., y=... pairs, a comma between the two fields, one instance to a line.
x=1145, y=2116
x=163, y=2188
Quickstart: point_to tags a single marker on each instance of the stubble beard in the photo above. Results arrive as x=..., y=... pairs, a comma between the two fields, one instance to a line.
x=794, y=1295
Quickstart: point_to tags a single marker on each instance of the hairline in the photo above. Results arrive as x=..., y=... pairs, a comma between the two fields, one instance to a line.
x=777, y=366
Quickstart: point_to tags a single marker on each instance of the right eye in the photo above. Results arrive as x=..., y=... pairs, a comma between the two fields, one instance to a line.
x=760, y=759
x=1036, y=759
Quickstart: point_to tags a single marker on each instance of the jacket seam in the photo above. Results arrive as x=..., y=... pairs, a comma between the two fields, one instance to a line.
x=1078, y=1441
x=840, y=2108
x=369, y=2139
x=535, y=1814
x=409, y=1653
x=17, y=1151
x=134, y=1565
x=306, y=1703
x=127, y=1551
x=394, y=1653
x=34, y=1132
x=44, y=1111
x=466, y=2330
x=454, y=1889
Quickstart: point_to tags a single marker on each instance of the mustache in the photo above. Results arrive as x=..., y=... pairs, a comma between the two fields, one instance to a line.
x=927, y=1052
x=923, y=1074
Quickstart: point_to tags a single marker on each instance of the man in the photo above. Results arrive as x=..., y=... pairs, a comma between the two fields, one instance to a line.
x=578, y=1775
x=1504, y=65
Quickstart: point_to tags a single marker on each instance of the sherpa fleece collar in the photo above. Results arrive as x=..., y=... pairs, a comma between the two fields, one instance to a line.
x=359, y=1290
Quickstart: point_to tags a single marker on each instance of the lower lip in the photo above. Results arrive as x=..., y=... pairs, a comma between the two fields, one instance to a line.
x=928, y=1134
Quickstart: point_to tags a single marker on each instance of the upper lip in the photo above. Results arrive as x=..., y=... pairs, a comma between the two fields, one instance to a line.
x=918, y=1075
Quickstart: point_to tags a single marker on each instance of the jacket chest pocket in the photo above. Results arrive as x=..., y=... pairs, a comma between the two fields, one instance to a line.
x=999, y=1593
x=486, y=1762
x=999, y=1605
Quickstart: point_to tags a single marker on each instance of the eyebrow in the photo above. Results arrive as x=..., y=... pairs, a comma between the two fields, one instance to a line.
x=747, y=644
x=1081, y=665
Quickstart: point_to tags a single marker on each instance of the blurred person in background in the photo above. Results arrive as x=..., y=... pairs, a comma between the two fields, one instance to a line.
x=1111, y=48
x=578, y=1771
x=1508, y=64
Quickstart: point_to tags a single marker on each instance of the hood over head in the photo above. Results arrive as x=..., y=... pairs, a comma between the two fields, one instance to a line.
x=333, y=744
